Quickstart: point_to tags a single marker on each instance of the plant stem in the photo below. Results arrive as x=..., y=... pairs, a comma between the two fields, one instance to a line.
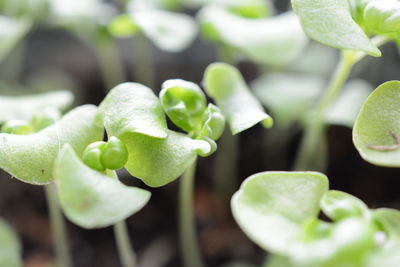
x=313, y=137
x=143, y=69
x=187, y=230
x=226, y=170
x=110, y=63
x=225, y=167
x=60, y=240
x=125, y=250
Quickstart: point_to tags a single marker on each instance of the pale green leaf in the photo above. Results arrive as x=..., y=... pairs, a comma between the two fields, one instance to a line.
x=12, y=30
x=276, y=41
x=160, y=161
x=24, y=107
x=330, y=22
x=30, y=158
x=338, y=205
x=132, y=108
x=169, y=31
x=135, y=5
x=271, y=206
x=346, y=107
x=377, y=126
x=92, y=199
x=10, y=247
x=298, y=92
x=389, y=221
x=382, y=16
x=227, y=87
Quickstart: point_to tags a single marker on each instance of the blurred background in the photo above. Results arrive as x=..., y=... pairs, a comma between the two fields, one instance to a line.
x=81, y=47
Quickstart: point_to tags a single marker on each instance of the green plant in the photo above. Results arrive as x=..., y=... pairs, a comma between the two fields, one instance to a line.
x=279, y=212
x=353, y=26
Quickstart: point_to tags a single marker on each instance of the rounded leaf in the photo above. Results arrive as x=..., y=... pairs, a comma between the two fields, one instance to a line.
x=160, y=161
x=226, y=86
x=339, y=205
x=298, y=92
x=30, y=158
x=23, y=107
x=377, y=127
x=184, y=102
x=132, y=107
x=271, y=206
x=330, y=22
x=90, y=198
x=276, y=41
x=169, y=31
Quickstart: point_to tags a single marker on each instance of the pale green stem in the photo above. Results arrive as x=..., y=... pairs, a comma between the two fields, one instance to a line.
x=110, y=62
x=187, y=229
x=308, y=152
x=226, y=166
x=226, y=170
x=124, y=246
x=57, y=222
x=125, y=250
x=143, y=67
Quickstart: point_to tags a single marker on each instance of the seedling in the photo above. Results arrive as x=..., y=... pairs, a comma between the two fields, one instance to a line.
x=353, y=25
x=279, y=212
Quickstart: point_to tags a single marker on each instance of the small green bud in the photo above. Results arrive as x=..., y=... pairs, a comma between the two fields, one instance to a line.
x=45, y=118
x=115, y=154
x=92, y=155
x=17, y=127
x=214, y=123
x=184, y=103
x=213, y=147
x=123, y=26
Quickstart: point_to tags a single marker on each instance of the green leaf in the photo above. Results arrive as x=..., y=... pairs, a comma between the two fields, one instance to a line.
x=226, y=86
x=12, y=30
x=389, y=221
x=132, y=108
x=330, y=22
x=123, y=26
x=24, y=107
x=90, y=198
x=299, y=92
x=382, y=16
x=160, y=161
x=339, y=205
x=276, y=41
x=214, y=123
x=169, y=31
x=345, y=243
x=346, y=107
x=30, y=158
x=10, y=247
x=184, y=102
x=271, y=206
x=376, y=128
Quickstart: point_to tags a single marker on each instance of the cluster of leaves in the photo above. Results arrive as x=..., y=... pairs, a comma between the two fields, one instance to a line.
x=134, y=119
x=279, y=212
